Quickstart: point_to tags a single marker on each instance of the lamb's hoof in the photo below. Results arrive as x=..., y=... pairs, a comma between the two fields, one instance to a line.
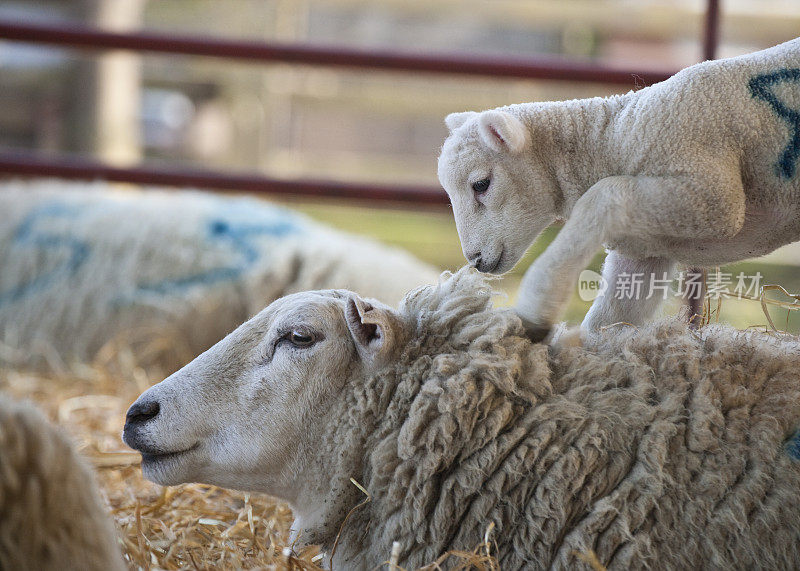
x=536, y=332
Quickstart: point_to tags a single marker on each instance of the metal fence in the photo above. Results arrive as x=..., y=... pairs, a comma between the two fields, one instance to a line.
x=81, y=37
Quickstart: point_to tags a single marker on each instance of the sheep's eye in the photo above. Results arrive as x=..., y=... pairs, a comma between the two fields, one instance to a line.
x=481, y=186
x=300, y=340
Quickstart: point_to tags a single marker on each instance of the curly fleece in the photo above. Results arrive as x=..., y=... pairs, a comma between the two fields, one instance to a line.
x=51, y=515
x=655, y=447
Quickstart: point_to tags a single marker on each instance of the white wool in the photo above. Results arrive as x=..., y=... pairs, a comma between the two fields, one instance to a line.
x=83, y=264
x=656, y=447
x=702, y=169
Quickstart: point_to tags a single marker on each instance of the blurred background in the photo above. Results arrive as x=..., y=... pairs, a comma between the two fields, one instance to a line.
x=295, y=121
x=345, y=140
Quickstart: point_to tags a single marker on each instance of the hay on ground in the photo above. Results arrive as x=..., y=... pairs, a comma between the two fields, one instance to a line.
x=192, y=526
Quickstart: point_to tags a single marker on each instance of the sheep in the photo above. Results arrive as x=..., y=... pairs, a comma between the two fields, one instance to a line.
x=51, y=515
x=698, y=169
x=83, y=265
x=657, y=447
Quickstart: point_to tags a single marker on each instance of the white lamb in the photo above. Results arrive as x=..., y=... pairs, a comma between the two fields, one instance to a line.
x=655, y=449
x=51, y=515
x=83, y=264
x=699, y=169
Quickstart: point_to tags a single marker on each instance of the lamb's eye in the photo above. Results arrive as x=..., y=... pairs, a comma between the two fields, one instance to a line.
x=299, y=339
x=482, y=185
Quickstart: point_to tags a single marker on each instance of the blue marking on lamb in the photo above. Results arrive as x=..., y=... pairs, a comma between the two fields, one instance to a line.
x=760, y=86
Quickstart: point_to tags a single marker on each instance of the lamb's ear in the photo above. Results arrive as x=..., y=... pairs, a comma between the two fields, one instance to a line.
x=375, y=330
x=455, y=120
x=502, y=131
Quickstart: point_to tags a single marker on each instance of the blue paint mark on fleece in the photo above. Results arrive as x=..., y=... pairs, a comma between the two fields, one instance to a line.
x=793, y=446
x=238, y=232
x=29, y=234
x=235, y=227
x=761, y=87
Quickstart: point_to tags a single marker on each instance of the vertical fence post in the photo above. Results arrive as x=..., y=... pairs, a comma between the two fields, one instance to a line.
x=711, y=30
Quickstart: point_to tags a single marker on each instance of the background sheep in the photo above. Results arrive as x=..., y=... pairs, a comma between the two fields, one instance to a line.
x=51, y=517
x=83, y=266
x=654, y=447
x=698, y=169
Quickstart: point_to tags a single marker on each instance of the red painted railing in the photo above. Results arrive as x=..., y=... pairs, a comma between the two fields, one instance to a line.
x=262, y=52
x=33, y=164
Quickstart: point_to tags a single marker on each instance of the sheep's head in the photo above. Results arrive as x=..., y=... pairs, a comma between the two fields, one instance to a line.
x=248, y=412
x=501, y=192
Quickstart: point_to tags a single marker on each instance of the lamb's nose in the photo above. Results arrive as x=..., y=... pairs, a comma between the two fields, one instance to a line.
x=474, y=260
x=141, y=412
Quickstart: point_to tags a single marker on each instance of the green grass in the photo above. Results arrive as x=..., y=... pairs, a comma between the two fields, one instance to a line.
x=431, y=236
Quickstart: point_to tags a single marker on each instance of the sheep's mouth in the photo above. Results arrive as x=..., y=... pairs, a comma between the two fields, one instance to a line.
x=149, y=457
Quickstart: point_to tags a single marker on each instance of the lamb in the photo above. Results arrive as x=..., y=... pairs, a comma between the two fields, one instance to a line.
x=700, y=169
x=83, y=264
x=51, y=516
x=657, y=447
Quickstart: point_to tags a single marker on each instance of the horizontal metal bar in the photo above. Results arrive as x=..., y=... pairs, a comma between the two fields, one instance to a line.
x=29, y=164
x=530, y=68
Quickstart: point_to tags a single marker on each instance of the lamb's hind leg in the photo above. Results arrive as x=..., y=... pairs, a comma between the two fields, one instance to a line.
x=635, y=288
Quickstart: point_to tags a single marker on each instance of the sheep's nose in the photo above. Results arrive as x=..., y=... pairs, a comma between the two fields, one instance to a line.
x=141, y=412
x=474, y=259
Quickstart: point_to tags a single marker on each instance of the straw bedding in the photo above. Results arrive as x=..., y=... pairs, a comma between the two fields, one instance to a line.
x=191, y=526
x=186, y=527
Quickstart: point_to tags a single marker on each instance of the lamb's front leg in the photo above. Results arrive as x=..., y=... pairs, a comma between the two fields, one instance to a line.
x=649, y=209
x=549, y=281
x=635, y=288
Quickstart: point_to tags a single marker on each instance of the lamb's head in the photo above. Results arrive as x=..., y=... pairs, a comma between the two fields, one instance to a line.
x=249, y=412
x=502, y=194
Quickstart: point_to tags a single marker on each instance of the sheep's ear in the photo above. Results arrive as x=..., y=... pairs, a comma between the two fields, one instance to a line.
x=375, y=330
x=502, y=131
x=455, y=120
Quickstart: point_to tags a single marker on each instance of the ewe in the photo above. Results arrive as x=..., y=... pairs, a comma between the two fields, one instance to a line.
x=657, y=447
x=51, y=517
x=699, y=169
x=82, y=264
